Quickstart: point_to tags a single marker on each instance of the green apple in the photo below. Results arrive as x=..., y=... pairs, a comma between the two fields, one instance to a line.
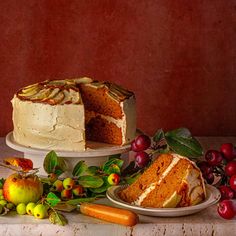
x=19, y=189
x=21, y=209
x=3, y=202
x=40, y=211
x=30, y=208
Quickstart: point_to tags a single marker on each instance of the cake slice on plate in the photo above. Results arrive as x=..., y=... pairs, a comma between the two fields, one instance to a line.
x=171, y=181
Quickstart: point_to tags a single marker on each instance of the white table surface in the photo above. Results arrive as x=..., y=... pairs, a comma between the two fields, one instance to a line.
x=207, y=222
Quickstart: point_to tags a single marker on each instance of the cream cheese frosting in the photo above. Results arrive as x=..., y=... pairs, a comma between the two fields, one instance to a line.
x=44, y=126
x=51, y=114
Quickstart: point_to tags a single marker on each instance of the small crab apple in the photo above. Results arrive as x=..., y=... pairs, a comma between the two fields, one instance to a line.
x=226, y=192
x=68, y=183
x=133, y=146
x=232, y=182
x=113, y=179
x=141, y=159
x=52, y=177
x=141, y=143
x=230, y=168
x=66, y=194
x=40, y=211
x=228, y=150
x=205, y=167
x=57, y=185
x=213, y=157
x=30, y=208
x=78, y=190
x=21, y=209
x=226, y=209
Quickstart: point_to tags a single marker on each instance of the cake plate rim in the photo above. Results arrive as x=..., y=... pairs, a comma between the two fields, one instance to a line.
x=95, y=150
x=213, y=196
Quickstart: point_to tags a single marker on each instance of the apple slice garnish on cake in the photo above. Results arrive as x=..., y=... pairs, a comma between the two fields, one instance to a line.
x=42, y=94
x=29, y=91
x=57, y=99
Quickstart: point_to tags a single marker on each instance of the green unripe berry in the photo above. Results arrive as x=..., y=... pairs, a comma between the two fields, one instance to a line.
x=1, y=192
x=21, y=209
x=40, y=211
x=10, y=205
x=3, y=202
x=30, y=208
x=1, y=197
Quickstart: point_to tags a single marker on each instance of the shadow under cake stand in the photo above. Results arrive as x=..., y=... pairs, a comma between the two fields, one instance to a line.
x=95, y=153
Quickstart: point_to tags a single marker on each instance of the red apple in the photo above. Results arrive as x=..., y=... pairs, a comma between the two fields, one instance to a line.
x=22, y=189
x=113, y=179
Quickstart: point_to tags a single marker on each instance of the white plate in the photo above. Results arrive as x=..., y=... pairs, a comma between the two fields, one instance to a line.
x=213, y=196
x=94, y=149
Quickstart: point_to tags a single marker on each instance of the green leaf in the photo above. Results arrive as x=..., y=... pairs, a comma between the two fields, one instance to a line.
x=52, y=199
x=92, y=170
x=180, y=132
x=80, y=200
x=158, y=135
x=101, y=189
x=57, y=218
x=79, y=168
x=54, y=164
x=188, y=147
x=88, y=181
x=113, y=168
x=106, y=166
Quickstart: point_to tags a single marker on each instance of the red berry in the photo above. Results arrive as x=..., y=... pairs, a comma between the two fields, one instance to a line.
x=226, y=192
x=213, y=157
x=142, y=142
x=142, y=159
x=133, y=146
x=209, y=178
x=232, y=182
x=205, y=167
x=230, y=168
x=228, y=150
x=226, y=209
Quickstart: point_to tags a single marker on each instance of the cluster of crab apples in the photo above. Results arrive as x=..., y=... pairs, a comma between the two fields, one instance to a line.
x=221, y=164
x=68, y=188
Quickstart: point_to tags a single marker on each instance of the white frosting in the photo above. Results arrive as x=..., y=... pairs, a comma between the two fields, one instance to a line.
x=43, y=126
x=129, y=120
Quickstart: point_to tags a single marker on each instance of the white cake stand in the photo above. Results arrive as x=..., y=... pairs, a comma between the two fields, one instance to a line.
x=95, y=153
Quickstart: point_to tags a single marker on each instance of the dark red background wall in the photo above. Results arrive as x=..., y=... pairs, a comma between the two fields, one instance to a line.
x=179, y=57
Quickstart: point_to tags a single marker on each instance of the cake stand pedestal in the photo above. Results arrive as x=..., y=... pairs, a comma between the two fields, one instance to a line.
x=95, y=154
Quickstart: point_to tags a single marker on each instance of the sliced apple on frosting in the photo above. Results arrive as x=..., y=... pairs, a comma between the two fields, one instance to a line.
x=42, y=94
x=57, y=99
x=30, y=91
